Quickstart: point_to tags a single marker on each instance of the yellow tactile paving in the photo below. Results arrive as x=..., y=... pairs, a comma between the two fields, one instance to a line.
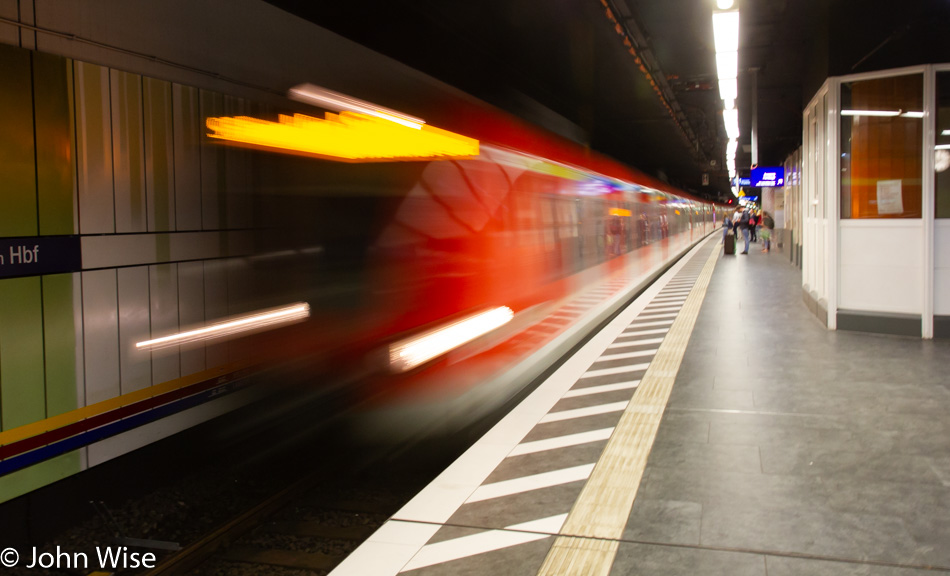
x=589, y=537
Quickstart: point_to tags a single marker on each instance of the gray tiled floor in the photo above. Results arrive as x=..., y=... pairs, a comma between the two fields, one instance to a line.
x=790, y=449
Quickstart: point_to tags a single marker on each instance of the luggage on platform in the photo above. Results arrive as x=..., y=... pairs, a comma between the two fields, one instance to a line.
x=729, y=245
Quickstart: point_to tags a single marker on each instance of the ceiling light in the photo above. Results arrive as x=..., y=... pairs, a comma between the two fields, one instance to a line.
x=731, y=119
x=945, y=133
x=728, y=89
x=913, y=114
x=726, y=31
x=724, y=4
x=727, y=64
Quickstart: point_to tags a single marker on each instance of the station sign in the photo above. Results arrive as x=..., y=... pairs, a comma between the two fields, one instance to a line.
x=39, y=255
x=768, y=176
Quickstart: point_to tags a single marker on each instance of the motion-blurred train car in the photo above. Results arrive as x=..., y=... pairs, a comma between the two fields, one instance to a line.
x=157, y=270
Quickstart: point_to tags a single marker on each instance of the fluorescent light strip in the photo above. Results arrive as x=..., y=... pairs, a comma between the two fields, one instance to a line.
x=726, y=31
x=411, y=352
x=271, y=318
x=727, y=65
x=731, y=120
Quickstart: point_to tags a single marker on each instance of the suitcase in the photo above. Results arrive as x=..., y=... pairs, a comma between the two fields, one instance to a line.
x=729, y=244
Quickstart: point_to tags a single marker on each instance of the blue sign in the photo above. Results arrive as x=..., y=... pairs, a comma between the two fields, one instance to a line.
x=39, y=255
x=768, y=177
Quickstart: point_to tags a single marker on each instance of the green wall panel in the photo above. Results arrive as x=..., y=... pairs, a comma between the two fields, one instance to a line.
x=59, y=335
x=17, y=167
x=22, y=386
x=55, y=155
x=22, y=481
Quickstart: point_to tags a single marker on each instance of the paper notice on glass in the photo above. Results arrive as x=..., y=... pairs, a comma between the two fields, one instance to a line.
x=889, y=197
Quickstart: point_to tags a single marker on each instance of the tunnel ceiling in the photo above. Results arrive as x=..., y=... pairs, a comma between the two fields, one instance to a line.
x=568, y=65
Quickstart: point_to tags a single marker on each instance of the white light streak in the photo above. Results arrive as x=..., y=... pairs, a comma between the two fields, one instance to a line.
x=870, y=113
x=253, y=322
x=335, y=101
x=411, y=352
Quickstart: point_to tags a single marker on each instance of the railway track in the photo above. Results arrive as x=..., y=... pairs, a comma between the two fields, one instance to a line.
x=311, y=525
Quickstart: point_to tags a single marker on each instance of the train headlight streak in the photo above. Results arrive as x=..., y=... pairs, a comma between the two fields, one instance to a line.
x=882, y=113
x=251, y=323
x=411, y=352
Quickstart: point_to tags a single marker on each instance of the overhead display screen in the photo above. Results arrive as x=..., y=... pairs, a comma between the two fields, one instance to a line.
x=768, y=176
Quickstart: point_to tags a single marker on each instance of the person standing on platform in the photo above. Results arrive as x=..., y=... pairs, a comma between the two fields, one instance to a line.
x=768, y=224
x=726, y=227
x=753, y=223
x=745, y=222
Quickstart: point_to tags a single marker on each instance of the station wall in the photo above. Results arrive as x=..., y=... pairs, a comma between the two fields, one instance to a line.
x=108, y=164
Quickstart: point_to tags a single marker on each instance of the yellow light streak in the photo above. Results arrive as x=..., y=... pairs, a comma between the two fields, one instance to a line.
x=252, y=322
x=348, y=136
x=620, y=212
x=411, y=352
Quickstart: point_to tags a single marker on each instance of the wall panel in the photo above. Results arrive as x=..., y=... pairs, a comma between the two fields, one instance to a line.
x=55, y=144
x=942, y=267
x=135, y=366
x=18, y=216
x=191, y=312
x=216, y=306
x=100, y=335
x=128, y=152
x=22, y=378
x=159, y=155
x=237, y=160
x=163, y=291
x=9, y=34
x=188, y=128
x=60, y=343
x=94, y=149
x=213, y=168
x=878, y=272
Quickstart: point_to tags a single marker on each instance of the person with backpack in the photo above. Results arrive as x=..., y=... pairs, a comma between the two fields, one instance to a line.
x=768, y=224
x=745, y=221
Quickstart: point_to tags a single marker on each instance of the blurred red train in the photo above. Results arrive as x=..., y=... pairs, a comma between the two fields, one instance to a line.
x=442, y=283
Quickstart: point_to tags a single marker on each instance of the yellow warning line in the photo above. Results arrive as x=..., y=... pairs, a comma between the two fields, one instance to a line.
x=589, y=537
